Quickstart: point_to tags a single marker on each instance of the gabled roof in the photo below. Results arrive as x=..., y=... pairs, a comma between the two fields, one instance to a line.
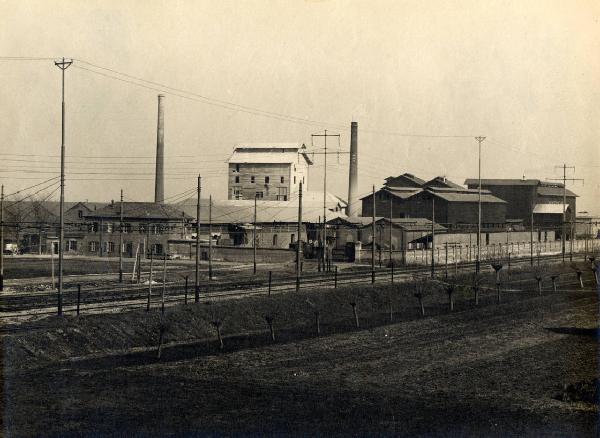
x=409, y=177
x=242, y=211
x=553, y=190
x=503, y=182
x=138, y=210
x=408, y=224
x=442, y=181
x=464, y=195
x=269, y=153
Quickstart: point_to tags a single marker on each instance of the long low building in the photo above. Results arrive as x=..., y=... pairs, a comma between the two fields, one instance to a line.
x=455, y=206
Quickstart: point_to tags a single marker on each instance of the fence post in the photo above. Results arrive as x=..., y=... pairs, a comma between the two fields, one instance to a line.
x=446, y=263
x=78, y=297
x=270, y=276
x=392, y=272
x=186, y=289
x=335, y=277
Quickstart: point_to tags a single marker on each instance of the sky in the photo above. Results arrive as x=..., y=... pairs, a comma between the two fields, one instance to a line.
x=422, y=79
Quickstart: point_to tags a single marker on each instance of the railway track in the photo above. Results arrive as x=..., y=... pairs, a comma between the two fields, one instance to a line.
x=127, y=297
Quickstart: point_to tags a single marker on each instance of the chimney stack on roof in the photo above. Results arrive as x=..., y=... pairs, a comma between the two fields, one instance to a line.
x=353, y=204
x=159, y=182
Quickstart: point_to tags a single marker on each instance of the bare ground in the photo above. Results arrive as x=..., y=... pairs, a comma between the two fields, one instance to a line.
x=493, y=370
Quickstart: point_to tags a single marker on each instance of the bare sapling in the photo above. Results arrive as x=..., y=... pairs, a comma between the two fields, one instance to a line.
x=217, y=325
x=162, y=328
x=579, y=274
x=317, y=316
x=538, y=273
x=354, y=311
x=497, y=268
x=269, y=319
x=450, y=288
x=476, y=280
x=554, y=277
x=420, y=288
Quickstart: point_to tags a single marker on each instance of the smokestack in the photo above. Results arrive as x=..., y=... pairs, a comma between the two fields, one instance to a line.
x=353, y=208
x=159, y=182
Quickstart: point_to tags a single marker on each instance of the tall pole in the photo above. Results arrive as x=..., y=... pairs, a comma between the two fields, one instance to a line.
x=121, y=242
x=531, y=240
x=373, y=243
x=2, y=238
x=210, y=237
x=478, y=261
x=254, y=238
x=299, y=239
x=197, y=280
x=325, y=202
x=391, y=225
x=63, y=65
x=432, y=237
x=563, y=240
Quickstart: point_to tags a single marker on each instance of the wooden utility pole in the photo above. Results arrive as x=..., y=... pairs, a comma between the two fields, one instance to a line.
x=432, y=236
x=210, y=275
x=373, y=241
x=391, y=225
x=254, y=238
x=531, y=240
x=478, y=261
x=197, y=280
x=325, y=135
x=563, y=238
x=121, y=241
x=2, y=238
x=299, y=239
x=63, y=65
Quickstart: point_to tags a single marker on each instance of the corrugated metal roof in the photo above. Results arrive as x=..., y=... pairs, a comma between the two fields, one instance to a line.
x=271, y=145
x=466, y=196
x=545, y=190
x=409, y=177
x=444, y=181
x=503, y=182
x=548, y=209
x=138, y=210
x=242, y=211
x=264, y=157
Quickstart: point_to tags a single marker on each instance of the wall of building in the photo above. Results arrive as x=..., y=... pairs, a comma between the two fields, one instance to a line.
x=271, y=190
x=234, y=254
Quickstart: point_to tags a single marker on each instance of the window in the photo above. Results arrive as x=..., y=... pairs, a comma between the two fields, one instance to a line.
x=282, y=180
x=80, y=214
x=108, y=247
x=72, y=245
x=487, y=238
x=292, y=238
x=302, y=180
x=127, y=228
x=237, y=179
x=252, y=179
x=266, y=180
x=237, y=167
x=259, y=195
x=237, y=194
x=107, y=227
x=94, y=227
x=274, y=239
x=294, y=179
x=157, y=248
x=282, y=193
x=93, y=246
x=142, y=228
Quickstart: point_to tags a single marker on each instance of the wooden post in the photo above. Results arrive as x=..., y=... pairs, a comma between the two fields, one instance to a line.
x=270, y=277
x=446, y=263
x=318, y=322
x=186, y=289
x=197, y=278
x=150, y=281
x=164, y=285
x=498, y=291
x=373, y=242
x=553, y=277
x=353, y=304
x=299, y=240
x=269, y=320
x=392, y=272
x=335, y=277
x=78, y=297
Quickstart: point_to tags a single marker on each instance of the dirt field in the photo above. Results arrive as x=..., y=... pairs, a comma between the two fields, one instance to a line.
x=490, y=370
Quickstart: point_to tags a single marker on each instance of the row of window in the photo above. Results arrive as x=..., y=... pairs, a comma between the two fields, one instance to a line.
x=109, y=247
x=282, y=194
x=109, y=227
x=267, y=179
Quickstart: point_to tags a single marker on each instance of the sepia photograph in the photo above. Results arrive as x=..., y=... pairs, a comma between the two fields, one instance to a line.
x=300, y=218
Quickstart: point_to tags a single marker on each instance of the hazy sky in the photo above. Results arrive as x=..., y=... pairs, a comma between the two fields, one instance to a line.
x=525, y=74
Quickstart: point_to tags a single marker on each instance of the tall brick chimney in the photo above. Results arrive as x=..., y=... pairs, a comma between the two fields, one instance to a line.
x=354, y=209
x=159, y=182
